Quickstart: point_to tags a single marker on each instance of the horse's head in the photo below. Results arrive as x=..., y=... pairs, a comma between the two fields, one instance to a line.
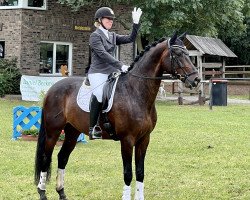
x=178, y=63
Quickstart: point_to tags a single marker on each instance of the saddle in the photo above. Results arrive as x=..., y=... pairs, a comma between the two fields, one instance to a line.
x=108, y=89
x=108, y=95
x=103, y=123
x=107, y=99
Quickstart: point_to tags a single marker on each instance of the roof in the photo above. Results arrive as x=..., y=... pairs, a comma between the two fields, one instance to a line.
x=208, y=45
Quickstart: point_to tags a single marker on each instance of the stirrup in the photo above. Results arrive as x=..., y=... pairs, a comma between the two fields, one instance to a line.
x=97, y=132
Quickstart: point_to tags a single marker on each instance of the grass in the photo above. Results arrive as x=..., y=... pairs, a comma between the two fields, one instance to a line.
x=194, y=153
x=241, y=97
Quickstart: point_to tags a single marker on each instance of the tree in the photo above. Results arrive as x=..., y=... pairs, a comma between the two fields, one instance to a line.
x=239, y=42
x=161, y=17
x=214, y=18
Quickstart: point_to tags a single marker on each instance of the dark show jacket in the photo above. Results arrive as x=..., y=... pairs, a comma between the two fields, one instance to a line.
x=103, y=50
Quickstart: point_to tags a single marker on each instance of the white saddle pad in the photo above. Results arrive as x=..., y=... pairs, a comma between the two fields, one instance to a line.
x=84, y=95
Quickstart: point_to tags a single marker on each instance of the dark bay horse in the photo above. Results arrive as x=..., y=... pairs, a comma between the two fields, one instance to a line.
x=132, y=116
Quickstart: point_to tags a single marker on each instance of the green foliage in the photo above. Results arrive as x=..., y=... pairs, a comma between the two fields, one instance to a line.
x=239, y=42
x=9, y=77
x=227, y=19
x=33, y=132
x=163, y=17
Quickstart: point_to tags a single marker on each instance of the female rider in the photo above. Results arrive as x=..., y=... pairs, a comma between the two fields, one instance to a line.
x=102, y=44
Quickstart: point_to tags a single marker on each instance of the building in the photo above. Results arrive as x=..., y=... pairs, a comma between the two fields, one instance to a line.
x=43, y=35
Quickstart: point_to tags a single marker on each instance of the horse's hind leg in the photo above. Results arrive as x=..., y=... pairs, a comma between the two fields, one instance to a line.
x=71, y=135
x=45, y=147
x=140, y=153
x=127, y=152
x=46, y=167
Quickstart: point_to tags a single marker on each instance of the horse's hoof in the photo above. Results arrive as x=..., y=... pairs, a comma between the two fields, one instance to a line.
x=62, y=195
x=42, y=194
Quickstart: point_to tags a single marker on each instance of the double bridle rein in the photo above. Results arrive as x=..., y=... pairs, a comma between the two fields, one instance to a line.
x=174, y=62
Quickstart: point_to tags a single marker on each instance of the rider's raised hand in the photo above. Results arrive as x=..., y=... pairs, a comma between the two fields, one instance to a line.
x=136, y=14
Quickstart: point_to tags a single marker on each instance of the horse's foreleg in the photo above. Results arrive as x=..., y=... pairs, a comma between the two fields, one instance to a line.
x=127, y=151
x=140, y=153
x=68, y=146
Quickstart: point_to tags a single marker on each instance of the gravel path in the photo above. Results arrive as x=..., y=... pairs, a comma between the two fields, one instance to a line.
x=189, y=99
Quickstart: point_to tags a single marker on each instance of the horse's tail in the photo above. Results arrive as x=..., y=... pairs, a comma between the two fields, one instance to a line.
x=40, y=150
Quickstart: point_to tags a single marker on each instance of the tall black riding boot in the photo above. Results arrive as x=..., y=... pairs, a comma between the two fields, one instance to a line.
x=95, y=132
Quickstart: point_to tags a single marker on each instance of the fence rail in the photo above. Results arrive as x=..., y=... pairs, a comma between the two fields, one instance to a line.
x=216, y=69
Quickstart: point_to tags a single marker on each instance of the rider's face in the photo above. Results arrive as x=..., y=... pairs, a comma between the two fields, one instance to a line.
x=107, y=22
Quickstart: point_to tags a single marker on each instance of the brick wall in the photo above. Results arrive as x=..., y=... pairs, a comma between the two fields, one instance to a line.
x=24, y=29
x=11, y=33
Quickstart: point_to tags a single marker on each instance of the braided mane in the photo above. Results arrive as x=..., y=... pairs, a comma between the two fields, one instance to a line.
x=147, y=48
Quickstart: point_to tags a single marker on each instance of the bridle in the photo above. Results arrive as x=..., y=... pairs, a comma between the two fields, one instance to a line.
x=174, y=61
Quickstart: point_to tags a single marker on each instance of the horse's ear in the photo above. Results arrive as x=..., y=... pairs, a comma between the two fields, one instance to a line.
x=173, y=38
x=182, y=36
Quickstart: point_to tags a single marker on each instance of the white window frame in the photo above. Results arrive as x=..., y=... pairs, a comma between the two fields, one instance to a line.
x=54, y=58
x=24, y=4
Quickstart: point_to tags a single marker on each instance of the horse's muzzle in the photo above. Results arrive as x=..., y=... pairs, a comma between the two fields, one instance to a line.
x=192, y=83
x=197, y=80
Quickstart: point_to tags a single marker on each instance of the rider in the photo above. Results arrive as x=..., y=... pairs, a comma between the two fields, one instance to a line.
x=103, y=63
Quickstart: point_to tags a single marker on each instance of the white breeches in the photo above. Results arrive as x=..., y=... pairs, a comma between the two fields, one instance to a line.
x=97, y=81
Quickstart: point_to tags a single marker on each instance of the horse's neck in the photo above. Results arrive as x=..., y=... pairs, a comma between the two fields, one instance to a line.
x=148, y=68
x=149, y=64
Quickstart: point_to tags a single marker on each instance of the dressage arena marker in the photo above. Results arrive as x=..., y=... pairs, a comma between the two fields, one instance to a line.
x=30, y=118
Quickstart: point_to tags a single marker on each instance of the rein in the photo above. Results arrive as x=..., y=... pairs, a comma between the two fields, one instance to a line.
x=165, y=77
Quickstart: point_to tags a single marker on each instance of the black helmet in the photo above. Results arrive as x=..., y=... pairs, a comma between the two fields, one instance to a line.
x=104, y=12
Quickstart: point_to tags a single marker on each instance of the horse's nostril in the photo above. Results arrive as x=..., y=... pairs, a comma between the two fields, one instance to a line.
x=197, y=79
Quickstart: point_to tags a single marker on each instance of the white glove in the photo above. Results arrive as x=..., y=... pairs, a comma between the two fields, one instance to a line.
x=136, y=14
x=124, y=68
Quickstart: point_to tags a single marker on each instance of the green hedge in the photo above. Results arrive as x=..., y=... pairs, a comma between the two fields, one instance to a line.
x=10, y=77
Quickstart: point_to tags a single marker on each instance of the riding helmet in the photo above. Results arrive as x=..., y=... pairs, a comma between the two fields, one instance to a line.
x=104, y=12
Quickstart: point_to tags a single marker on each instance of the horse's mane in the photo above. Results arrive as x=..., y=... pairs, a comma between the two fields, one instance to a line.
x=147, y=48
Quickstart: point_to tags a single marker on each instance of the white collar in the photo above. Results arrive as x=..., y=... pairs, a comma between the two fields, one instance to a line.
x=105, y=31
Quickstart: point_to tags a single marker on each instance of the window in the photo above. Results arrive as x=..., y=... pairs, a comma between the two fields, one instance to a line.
x=53, y=55
x=35, y=3
x=8, y=2
x=27, y=4
x=2, y=46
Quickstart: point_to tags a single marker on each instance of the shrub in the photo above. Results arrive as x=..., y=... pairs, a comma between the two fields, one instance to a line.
x=33, y=132
x=10, y=77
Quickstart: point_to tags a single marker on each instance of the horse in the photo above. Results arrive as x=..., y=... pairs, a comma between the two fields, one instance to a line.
x=134, y=100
